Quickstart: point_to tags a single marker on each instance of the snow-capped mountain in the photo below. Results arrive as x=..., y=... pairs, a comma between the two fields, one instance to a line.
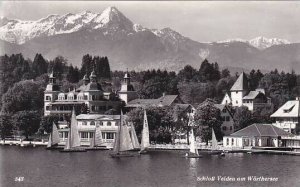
x=129, y=45
x=259, y=42
x=111, y=20
x=17, y=31
x=263, y=43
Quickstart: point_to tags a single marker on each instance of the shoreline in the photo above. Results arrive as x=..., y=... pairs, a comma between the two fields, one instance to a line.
x=176, y=147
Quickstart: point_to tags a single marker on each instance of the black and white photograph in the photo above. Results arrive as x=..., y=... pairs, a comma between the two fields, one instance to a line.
x=149, y=93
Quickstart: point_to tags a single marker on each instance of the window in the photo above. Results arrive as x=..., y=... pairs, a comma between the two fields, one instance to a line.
x=93, y=108
x=47, y=107
x=103, y=135
x=101, y=123
x=224, y=110
x=224, y=128
x=236, y=102
x=110, y=135
x=227, y=118
x=223, y=118
x=48, y=98
x=108, y=123
x=92, y=123
x=84, y=123
x=227, y=141
x=66, y=134
x=232, y=141
x=84, y=134
x=230, y=128
x=91, y=135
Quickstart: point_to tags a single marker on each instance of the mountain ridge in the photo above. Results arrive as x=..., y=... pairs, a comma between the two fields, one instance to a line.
x=131, y=45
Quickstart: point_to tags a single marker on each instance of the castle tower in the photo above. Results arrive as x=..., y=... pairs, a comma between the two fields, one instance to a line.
x=239, y=90
x=50, y=94
x=127, y=92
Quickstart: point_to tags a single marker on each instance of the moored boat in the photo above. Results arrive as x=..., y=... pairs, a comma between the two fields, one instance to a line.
x=145, y=141
x=54, y=139
x=73, y=141
x=193, y=152
x=123, y=144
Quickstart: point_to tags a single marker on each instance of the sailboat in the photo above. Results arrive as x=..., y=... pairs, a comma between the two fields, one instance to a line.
x=145, y=142
x=134, y=139
x=193, y=153
x=214, y=144
x=73, y=141
x=123, y=144
x=53, y=138
x=97, y=141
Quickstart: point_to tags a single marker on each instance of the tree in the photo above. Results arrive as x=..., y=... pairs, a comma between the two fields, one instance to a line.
x=73, y=74
x=208, y=116
x=187, y=73
x=242, y=117
x=47, y=123
x=39, y=65
x=6, y=126
x=195, y=92
x=27, y=122
x=24, y=95
x=159, y=119
x=209, y=72
x=225, y=73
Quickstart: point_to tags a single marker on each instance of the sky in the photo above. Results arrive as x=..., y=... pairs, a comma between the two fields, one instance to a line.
x=199, y=20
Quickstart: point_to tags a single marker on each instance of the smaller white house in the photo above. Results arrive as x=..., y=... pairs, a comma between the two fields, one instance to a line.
x=87, y=124
x=256, y=135
x=287, y=116
x=227, y=126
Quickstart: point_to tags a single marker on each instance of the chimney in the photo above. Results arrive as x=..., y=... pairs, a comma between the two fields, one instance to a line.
x=164, y=94
x=297, y=98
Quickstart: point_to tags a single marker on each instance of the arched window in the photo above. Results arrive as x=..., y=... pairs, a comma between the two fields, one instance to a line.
x=84, y=123
x=108, y=123
x=92, y=123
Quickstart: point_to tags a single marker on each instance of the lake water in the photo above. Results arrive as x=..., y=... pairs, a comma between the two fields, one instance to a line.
x=41, y=167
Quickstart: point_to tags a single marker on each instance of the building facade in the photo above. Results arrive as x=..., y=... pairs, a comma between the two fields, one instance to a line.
x=256, y=135
x=127, y=92
x=287, y=116
x=240, y=95
x=227, y=126
x=89, y=97
x=87, y=124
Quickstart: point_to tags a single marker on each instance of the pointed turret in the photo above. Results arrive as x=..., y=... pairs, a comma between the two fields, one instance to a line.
x=241, y=83
x=93, y=76
x=86, y=79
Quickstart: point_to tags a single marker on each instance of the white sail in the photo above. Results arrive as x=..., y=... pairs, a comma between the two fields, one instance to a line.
x=49, y=141
x=214, y=142
x=125, y=143
x=73, y=135
x=98, y=136
x=68, y=143
x=145, y=143
x=75, y=140
x=55, y=135
x=193, y=148
x=135, y=141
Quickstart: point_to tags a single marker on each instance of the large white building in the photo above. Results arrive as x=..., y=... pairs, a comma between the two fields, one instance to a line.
x=90, y=95
x=287, y=116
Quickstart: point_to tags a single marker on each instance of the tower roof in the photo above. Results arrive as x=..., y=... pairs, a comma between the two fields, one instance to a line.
x=93, y=75
x=51, y=76
x=241, y=83
x=85, y=77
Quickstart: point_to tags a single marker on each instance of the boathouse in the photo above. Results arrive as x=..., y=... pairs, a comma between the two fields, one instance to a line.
x=256, y=135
